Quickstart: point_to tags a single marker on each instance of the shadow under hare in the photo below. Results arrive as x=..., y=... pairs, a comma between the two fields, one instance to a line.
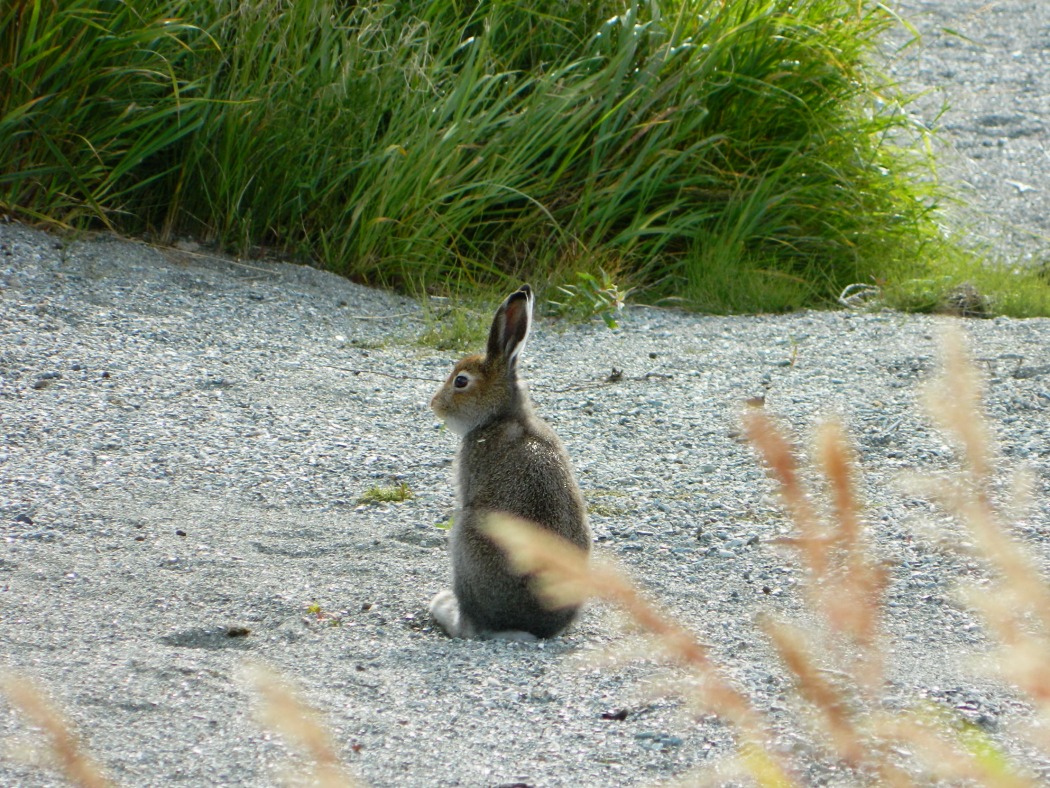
x=509, y=461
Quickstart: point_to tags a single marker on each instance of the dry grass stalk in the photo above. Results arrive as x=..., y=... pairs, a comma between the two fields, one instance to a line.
x=779, y=457
x=838, y=463
x=856, y=582
x=947, y=756
x=973, y=507
x=1017, y=609
x=283, y=712
x=563, y=575
x=953, y=401
x=843, y=584
x=1024, y=655
x=844, y=587
x=824, y=698
x=63, y=743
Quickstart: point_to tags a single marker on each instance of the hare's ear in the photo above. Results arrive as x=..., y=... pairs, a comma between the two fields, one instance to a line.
x=510, y=327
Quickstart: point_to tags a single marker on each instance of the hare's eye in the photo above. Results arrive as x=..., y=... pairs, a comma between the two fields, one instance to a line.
x=461, y=381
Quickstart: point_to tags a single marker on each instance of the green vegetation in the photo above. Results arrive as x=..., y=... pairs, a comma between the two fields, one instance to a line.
x=733, y=156
x=461, y=328
x=393, y=494
x=606, y=503
x=950, y=285
x=320, y=615
x=600, y=509
x=592, y=295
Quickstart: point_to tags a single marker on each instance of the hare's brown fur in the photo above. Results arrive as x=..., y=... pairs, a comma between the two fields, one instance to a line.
x=509, y=461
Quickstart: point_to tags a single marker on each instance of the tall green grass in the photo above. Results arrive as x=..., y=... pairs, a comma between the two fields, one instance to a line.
x=735, y=155
x=95, y=98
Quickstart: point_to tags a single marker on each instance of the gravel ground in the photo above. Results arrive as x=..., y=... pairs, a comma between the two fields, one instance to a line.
x=181, y=461
x=986, y=65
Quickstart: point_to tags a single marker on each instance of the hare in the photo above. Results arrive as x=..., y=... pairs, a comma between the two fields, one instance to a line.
x=509, y=461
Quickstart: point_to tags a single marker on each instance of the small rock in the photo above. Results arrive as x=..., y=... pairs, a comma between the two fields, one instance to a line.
x=657, y=741
x=46, y=379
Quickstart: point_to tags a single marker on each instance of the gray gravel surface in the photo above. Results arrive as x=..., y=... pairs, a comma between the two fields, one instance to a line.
x=986, y=67
x=180, y=460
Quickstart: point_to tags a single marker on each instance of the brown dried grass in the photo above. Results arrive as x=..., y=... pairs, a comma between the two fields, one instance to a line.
x=1016, y=608
x=63, y=745
x=838, y=668
x=282, y=711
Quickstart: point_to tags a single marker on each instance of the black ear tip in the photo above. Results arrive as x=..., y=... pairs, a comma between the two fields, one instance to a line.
x=523, y=293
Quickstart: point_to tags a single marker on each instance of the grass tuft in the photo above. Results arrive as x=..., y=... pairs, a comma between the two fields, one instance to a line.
x=460, y=328
x=591, y=295
x=742, y=156
x=396, y=493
